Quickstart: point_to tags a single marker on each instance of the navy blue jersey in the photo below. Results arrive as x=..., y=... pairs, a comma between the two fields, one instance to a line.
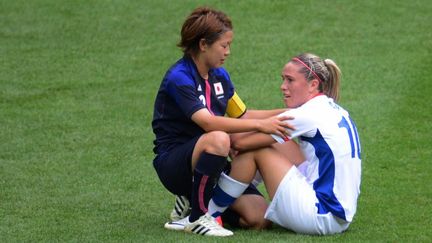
x=180, y=95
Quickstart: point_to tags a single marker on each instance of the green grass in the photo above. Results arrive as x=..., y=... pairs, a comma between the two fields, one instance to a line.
x=78, y=81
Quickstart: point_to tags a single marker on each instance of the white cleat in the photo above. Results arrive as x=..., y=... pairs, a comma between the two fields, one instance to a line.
x=207, y=225
x=177, y=225
x=181, y=209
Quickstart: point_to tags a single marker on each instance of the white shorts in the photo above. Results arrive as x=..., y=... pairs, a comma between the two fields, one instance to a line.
x=293, y=207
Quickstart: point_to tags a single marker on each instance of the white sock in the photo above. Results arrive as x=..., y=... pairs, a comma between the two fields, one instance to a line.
x=225, y=193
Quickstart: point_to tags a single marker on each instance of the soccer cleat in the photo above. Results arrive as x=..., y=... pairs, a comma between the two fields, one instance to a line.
x=219, y=220
x=207, y=225
x=177, y=225
x=181, y=209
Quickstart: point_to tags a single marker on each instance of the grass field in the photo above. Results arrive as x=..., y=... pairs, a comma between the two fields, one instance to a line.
x=78, y=81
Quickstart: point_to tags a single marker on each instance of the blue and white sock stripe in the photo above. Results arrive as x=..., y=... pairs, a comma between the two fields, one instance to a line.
x=230, y=186
x=222, y=198
x=224, y=194
x=215, y=210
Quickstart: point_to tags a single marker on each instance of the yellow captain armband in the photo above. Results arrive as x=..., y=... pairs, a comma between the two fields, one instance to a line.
x=235, y=107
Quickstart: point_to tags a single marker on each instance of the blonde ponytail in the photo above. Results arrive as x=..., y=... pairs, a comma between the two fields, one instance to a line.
x=332, y=85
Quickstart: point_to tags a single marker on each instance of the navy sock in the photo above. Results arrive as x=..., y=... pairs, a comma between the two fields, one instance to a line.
x=206, y=173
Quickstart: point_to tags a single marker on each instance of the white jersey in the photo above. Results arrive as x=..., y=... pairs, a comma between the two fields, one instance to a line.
x=329, y=140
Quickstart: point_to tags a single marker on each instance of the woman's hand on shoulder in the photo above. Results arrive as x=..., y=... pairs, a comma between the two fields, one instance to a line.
x=277, y=125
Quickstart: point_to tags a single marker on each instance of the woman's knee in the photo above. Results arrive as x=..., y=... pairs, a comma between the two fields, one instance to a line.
x=251, y=209
x=255, y=222
x=216, y=142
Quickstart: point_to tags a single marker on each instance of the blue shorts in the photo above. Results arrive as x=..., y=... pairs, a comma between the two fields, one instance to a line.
x=174, y=169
